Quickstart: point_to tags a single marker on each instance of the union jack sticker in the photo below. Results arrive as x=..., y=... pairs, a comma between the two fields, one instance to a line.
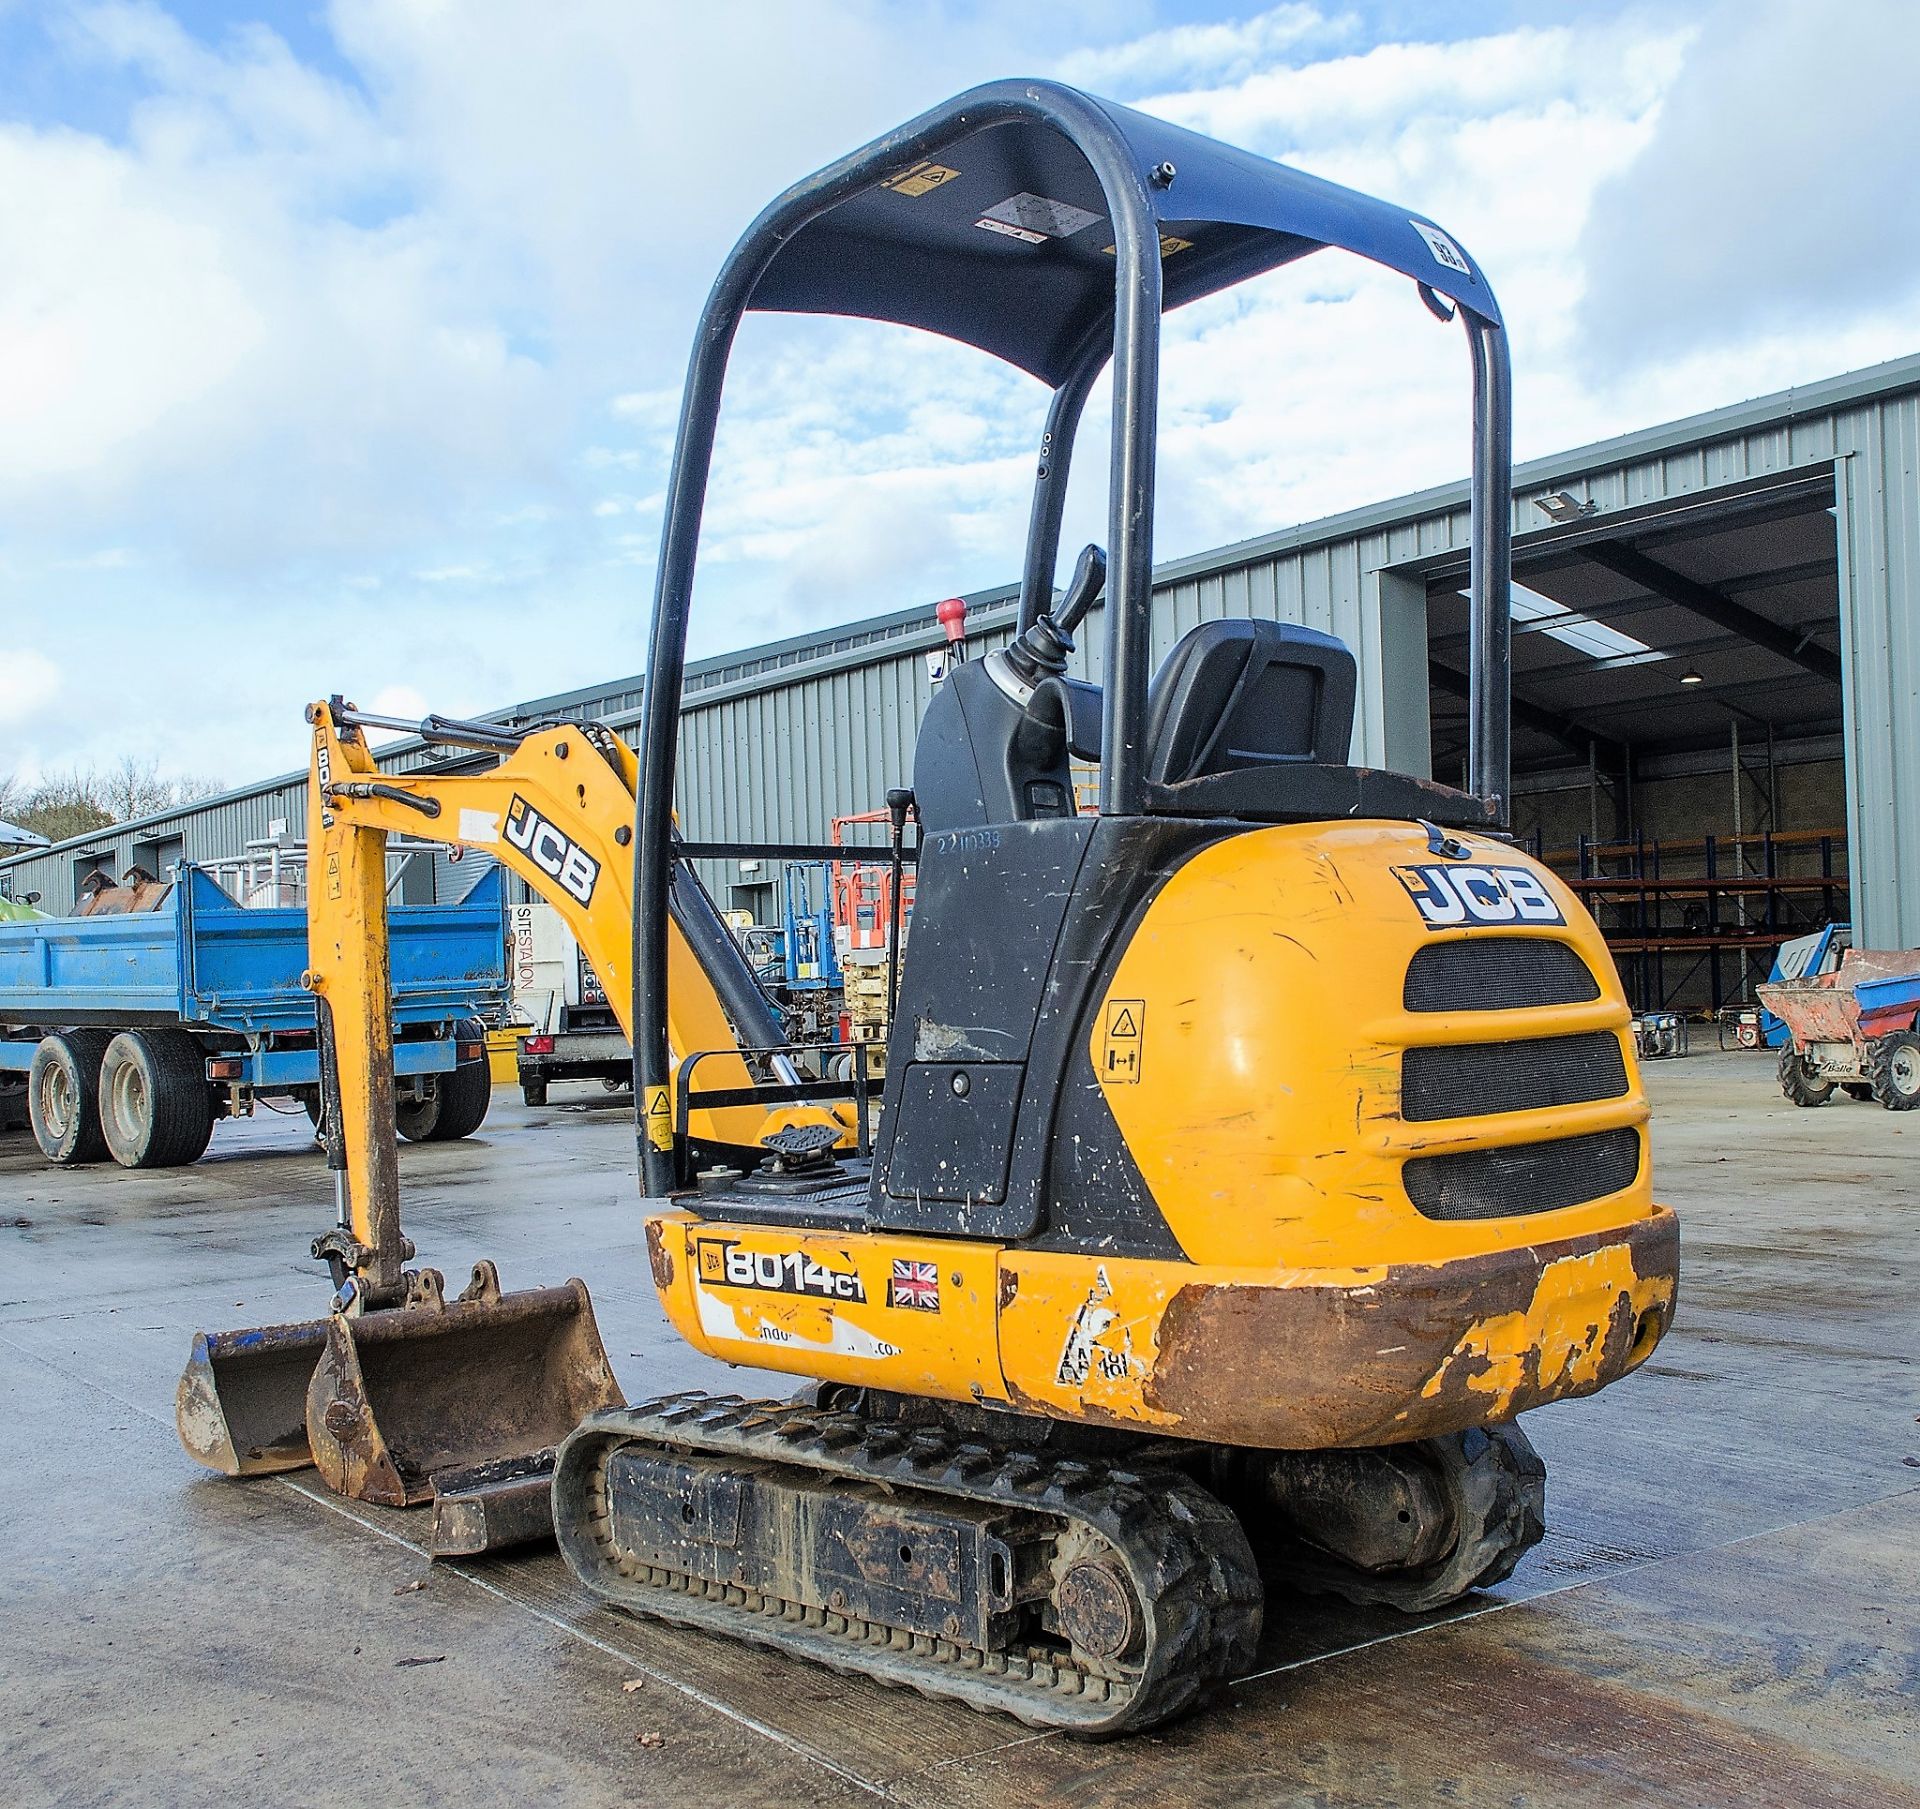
x=915, y=1285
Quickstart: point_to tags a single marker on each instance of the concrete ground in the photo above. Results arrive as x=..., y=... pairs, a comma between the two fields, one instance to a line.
x=1724, y=1610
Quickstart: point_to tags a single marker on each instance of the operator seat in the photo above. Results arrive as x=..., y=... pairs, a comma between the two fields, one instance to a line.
x=1239, y=694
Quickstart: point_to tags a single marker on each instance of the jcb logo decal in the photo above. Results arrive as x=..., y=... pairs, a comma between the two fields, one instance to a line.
x=1449, y=896
x=553, y=853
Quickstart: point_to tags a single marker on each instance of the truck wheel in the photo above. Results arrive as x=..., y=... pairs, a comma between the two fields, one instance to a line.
x=1797, y=1080
x=63, y=1096
x=1893, y=1067
x=155, y=1108
x=450, y=1105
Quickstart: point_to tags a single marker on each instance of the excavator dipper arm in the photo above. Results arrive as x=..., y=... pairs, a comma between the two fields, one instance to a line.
x=558, y=811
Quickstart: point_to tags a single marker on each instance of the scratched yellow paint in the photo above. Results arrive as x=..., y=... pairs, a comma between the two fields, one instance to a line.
x=1560, y=1336
x=1265, y=1112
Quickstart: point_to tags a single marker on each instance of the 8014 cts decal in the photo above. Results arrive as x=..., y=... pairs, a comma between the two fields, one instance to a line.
x=1447, y=897
x=721, y=1262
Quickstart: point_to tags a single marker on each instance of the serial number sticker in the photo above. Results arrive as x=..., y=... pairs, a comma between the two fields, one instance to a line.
x=1447, y=897
x=922, y=179
x=720, y=1262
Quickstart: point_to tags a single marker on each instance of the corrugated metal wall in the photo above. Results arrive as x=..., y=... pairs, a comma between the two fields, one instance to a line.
x=1878, y=504
x=778, y=740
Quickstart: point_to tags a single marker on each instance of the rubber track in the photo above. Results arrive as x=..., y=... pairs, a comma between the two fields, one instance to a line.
x=1193, y=1572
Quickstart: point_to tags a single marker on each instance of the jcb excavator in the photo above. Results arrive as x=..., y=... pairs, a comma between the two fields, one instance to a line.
x=1251, y=1152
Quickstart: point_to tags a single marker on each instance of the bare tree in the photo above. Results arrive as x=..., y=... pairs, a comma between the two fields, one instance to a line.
x=132, y=788
x=81, y=799
x=65, y=804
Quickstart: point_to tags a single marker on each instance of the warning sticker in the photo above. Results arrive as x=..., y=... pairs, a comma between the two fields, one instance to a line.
x=1007, y=231
x=1122, y=1031
x=922, y=179
x=1169, y=246
x=1446, y=253
x=1035, y=219
x=659, y=1119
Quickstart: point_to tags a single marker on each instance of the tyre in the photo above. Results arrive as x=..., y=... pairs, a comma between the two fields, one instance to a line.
x=63, y=1096
x=450, y=1105
x=155, y=1106
x=1857, y=1089
x=1798, y=1082
x=1894, y=1070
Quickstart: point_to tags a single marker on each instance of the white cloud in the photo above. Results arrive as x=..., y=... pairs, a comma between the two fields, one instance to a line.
x=1776, y=192
x=29, y=682
x=1194, y=53
x=403, y=701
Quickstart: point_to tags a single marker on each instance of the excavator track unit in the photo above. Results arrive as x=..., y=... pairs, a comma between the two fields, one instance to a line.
x=1068, y=1594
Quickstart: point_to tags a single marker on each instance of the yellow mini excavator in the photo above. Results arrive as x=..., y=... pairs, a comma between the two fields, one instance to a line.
x=1251, y=1152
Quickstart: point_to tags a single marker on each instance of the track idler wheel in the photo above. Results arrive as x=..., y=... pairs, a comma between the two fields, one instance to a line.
x=1412, y=1527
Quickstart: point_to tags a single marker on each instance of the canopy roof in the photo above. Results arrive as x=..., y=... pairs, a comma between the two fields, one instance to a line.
x=13, y=836
x=1003, y=238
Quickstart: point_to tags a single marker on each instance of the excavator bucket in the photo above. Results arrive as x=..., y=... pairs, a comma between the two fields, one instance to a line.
x=241, y=1407
x=460, y=1401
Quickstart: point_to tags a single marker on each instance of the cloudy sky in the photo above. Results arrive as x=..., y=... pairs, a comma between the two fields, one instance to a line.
x=340, y=343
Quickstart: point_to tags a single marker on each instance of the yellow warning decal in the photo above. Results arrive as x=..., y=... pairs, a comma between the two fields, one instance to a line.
x=922, y=179
x=1169, y=245
x=659, y=1119
x=1122, y=1031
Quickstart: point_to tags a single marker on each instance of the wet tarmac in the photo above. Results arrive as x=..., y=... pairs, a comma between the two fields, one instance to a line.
x=1726, y=1609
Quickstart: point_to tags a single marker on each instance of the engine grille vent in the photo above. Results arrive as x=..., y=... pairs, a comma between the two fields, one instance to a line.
x=1523, y=1178
x=1497, y=973
x=1465, y=1079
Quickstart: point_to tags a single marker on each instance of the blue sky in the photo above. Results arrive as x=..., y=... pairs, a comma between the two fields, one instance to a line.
x=340, y=343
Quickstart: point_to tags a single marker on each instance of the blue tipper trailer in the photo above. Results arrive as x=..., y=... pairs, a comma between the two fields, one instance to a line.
x=134, y=1031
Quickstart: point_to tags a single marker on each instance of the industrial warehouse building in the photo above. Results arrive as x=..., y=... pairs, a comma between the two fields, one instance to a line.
x=1716, y=688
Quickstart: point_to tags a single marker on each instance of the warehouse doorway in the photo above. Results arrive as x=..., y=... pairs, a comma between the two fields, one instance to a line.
x=1678, y=722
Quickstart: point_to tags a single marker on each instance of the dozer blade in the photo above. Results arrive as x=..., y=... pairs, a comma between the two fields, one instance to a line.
x=493, y=1507
x=406, y=1398
x=241, y=1407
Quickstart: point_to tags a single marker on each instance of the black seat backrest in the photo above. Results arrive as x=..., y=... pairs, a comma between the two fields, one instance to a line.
x=1243, y=694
